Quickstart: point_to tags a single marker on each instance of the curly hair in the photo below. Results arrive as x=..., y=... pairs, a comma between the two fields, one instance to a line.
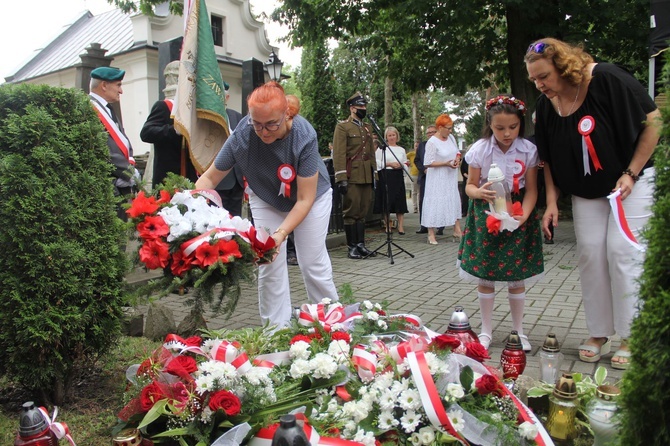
x=569, y=60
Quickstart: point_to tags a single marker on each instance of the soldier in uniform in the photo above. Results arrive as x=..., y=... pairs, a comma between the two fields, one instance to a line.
x=355, y=167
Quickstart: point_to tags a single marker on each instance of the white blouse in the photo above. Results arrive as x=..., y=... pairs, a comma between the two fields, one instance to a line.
x=521, y=156
x=399, y=153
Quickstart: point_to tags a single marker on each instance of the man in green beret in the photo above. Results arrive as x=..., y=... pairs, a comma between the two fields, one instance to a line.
x=355, y=167
x=105, y=89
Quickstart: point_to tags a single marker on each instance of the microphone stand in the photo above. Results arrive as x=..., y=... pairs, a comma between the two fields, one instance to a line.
x=385, y=195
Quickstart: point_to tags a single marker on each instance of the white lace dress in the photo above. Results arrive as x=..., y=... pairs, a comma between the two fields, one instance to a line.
x=441, y=201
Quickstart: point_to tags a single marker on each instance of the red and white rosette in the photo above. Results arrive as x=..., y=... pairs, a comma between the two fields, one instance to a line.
x=286, y=174
x=621, y=221
x=585, y=127
x=519, y=171
x=430, y=397
x=59, y=429
x=230, y=353
x=326, y=316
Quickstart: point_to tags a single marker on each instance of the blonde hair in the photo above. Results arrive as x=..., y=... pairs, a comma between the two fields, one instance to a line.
x=391, y=129
x=569, y=60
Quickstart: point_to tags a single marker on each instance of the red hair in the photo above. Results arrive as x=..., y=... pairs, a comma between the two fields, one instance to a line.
x=443, y=121
x=270, y=92
x=293, y=105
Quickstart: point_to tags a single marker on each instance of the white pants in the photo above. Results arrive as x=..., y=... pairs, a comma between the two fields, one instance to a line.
x=274, y=295
x=609, y=266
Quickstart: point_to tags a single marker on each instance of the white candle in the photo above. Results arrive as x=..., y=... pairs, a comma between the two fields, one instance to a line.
x=500, y=205
x=604, y=430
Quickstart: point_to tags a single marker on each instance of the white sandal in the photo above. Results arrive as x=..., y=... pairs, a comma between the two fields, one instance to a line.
x=525, y=344
x=485, y=339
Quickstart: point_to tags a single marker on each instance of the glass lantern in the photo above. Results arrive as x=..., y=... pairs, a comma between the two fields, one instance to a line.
x=502, y=203
x=601, y=412
x=459, y=326
x=550, y=359
x=563, y=405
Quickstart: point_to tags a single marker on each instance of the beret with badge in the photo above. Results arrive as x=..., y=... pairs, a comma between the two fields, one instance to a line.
x=108, y=74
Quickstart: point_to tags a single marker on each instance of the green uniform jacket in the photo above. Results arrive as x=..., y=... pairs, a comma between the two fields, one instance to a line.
x=350, y=163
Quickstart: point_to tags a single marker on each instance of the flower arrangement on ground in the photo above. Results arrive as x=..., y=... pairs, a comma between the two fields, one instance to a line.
x=394, y=382
x=196, y=242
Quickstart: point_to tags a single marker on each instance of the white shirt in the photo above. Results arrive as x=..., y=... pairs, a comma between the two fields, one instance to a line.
x=521, y=156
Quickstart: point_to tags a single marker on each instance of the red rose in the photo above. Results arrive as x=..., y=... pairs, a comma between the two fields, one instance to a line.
x=476, y=351
x=182, y=366
x=445, y=341
x=226, y=401
x=193, y=341
x=298, y=338
x=151, y=394
x=488, y=384
x=340, y=336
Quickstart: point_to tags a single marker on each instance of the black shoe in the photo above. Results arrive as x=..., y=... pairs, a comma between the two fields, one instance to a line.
x=353, y=253
x=422, y=231
x=365, y=252
x=548, y=241
x=440, y=231
x=292, y=260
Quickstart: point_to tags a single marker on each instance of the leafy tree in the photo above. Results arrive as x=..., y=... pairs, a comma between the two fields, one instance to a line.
x=60, y=304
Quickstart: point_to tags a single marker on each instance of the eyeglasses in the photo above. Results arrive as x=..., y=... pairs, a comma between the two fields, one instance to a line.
x=431, y=132
x=537, y=47
x=270, y=127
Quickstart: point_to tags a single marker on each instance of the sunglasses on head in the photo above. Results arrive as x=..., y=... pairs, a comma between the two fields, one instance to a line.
x=537, y=47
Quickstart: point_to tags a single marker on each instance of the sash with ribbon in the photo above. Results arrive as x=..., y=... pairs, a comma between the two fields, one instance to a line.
x=585, y=127
x=620, y=219
x=59, y=429
x=286, y=174
x=114, y=131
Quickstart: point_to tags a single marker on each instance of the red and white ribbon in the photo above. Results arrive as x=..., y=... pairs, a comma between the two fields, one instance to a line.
x=327, y=317
x=286, y=174
x=59, y=429
x=271, y=360
x=218, y=233
x=542, y=438
x=230, y=353
x=365, y=363
x=586, y=125
x=264, y=436
x=519, y=171
x=114, y=131
x=430, y=397
x=621, y=221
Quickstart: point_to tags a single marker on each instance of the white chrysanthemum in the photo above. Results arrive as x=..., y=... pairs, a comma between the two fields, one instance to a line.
x=300, y=368
x=326, y=300
x=258, y=376
x=382, y=324
x=387, y=400
x=204, y=383
x=403, y=367
x=323, y=365
x=373, y=316
x=400, y=386
x=386, y=420
x=427, y=435
x=367, y=305
x=456, y=418
x=455, y=391
x=299, y=350
x=410, y=420
x=339, y=350
x=333, y=406
x=367, y=438
x=528, y=430
x=436, y=366
x=350, y=427
x=219, y=370
x=410, y=399
x=383, y=381
x=206, y=415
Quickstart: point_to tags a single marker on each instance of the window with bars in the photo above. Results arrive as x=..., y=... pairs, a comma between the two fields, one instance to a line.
x=217, y=30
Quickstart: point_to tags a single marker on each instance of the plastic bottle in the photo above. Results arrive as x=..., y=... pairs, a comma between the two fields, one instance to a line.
x=289, y=433
x=503, y=200
x=33, y=428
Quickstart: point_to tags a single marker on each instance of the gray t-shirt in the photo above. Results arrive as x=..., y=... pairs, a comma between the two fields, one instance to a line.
x=260, y=162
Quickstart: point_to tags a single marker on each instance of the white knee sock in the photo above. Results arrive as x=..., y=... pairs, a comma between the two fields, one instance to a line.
x=486, y=301
x=516, y=306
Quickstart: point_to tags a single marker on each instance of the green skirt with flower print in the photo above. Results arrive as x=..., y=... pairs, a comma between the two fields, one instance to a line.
x=506, y=257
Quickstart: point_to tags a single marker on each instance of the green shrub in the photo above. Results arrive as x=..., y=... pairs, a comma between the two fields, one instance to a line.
x=646, y=385
x=61, y=268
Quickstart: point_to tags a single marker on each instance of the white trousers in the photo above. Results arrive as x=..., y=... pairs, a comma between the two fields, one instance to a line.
x=609, y=266
x=274, y=294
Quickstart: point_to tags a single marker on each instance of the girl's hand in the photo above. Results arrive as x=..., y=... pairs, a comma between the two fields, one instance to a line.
x=520, y=218
x=485, y=192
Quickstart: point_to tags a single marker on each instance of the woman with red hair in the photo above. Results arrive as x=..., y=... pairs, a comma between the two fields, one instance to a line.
x=289, y=191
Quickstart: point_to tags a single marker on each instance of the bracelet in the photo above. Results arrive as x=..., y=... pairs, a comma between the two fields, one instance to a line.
x=631, y=174
x=282, y=231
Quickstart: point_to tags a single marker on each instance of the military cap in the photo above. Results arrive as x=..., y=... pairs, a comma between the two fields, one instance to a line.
x=356, y=99
x=108, y=74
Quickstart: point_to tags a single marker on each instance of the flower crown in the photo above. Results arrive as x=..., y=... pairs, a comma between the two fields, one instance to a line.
x=511, y=100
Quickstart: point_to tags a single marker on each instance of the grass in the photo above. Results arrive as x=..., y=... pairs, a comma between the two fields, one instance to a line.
x=95, y=399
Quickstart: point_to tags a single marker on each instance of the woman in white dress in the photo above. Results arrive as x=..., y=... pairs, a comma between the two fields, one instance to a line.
x=442, y=202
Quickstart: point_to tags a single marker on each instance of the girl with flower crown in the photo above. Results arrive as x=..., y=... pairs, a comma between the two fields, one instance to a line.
x=486, y=255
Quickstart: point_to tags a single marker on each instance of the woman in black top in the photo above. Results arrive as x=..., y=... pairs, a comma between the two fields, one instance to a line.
x=596, y=131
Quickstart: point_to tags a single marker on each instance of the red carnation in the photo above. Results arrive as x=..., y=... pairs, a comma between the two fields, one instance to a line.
x=153, y=227
x=151, y=394
x=340, y=336
x=298, y=338
x=142, y=205
x=228, y=250
x=226, y=401
x=488, y=384
x=182, y=366
x=155, y=254
x=476, y=351
x=206, y=255
x=180, y=263
x=445, y=341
